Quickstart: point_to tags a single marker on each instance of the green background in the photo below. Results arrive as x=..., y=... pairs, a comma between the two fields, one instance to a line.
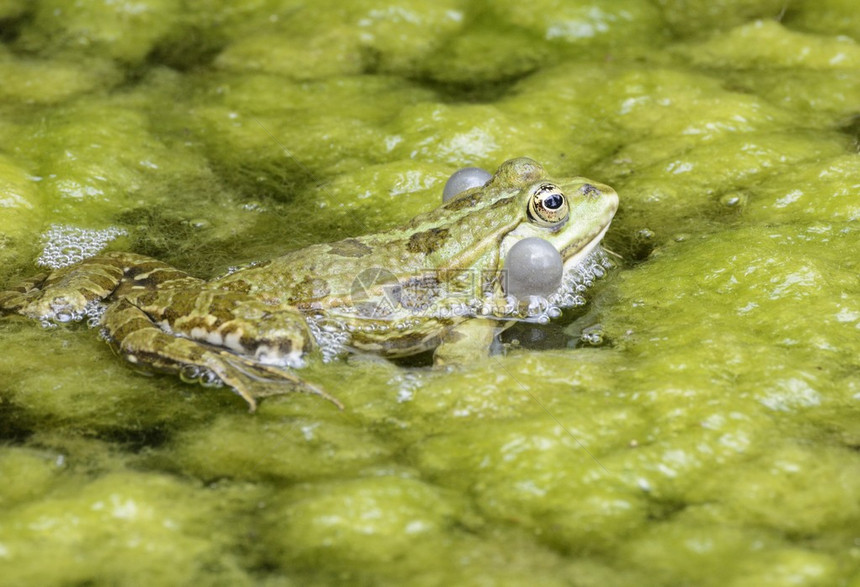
x=711, y=437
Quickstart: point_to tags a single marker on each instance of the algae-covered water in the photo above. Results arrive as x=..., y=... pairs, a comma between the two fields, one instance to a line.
x=706, y=435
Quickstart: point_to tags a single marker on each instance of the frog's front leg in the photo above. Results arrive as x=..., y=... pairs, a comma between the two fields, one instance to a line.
x=64, y=294
x=466, y=343
x=213, y=337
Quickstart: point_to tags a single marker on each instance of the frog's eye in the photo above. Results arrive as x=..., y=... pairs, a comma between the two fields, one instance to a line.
x=548, y=206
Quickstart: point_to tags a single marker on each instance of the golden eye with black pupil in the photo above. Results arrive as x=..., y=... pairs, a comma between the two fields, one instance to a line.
x=548, y=206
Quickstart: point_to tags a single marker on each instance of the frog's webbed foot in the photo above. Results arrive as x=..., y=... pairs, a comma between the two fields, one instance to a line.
x=253, y=381
x=133, y=335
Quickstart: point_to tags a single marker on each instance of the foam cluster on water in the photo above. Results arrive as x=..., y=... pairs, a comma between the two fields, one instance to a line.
x=60, y=314
x=407, y=382
x=66, y=245
x=331, y=337
x=94, y=312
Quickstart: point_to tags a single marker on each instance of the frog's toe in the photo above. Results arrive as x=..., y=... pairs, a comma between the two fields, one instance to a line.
x=12, y=301
x=253, y=381
x=21, y=295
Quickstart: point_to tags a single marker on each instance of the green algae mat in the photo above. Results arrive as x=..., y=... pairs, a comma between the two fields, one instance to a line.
x=696, y=423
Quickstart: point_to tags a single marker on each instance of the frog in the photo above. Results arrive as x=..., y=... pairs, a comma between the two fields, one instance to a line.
x=434, y=284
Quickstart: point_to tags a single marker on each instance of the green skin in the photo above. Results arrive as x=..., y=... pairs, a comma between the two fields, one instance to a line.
x=244, y=328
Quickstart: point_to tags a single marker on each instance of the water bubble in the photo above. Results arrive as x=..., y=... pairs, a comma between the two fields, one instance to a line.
x=408, y=383
x=734, y=199
x=62, y=316
x=189, y=373
x=645, y=234
x=200, y=375
x=537, y=306
x=94, y=311
x=592, y=336
x=331, y=337
x=209, y=379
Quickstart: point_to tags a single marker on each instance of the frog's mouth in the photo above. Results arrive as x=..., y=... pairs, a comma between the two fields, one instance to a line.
x=578, y=257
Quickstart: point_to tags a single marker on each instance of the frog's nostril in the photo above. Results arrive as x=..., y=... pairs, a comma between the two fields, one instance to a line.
x=588, y=189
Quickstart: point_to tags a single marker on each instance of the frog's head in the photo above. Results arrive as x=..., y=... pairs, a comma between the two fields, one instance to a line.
x=572, y=214
x=522, y=201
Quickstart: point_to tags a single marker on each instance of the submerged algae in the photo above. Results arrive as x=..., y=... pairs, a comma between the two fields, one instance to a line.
x=711, y=439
